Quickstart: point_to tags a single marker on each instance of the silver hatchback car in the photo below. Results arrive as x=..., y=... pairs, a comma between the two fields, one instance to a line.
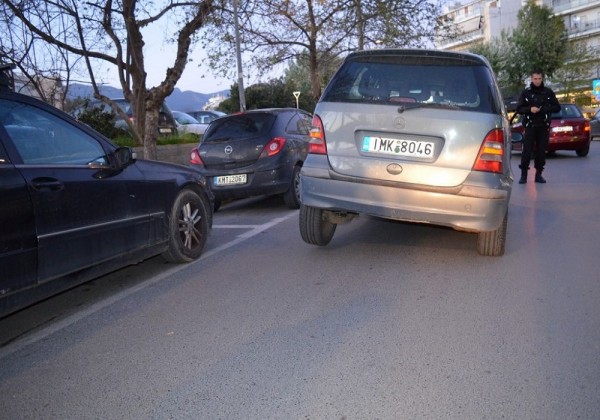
x=413, y=135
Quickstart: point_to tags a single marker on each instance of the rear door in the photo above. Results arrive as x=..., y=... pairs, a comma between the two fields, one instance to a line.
x=568, y=125
x=427, y=116
x=236, y=141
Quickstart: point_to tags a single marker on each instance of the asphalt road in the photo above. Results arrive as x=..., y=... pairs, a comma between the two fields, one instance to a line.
x=390, y=321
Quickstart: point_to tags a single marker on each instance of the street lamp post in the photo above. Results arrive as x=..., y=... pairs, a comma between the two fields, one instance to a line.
x=239, y=57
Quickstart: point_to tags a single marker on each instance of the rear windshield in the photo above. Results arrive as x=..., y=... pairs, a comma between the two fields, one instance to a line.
x=239, y=126
x=567, y=111
x=415, y=82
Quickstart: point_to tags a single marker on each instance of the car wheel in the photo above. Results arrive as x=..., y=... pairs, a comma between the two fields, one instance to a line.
x=492, y=243
x=314, y=228
x=292, y=196
x=188, y=227
x=583, y=152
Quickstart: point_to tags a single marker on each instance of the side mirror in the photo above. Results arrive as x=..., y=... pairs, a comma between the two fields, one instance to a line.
x=123, y=156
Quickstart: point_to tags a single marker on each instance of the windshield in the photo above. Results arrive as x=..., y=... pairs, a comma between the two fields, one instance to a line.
x=567, y=111
x=414, y=82
x=239, y=126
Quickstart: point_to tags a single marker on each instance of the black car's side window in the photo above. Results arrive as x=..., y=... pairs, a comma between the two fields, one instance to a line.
x=299, y=124
x=41, y=138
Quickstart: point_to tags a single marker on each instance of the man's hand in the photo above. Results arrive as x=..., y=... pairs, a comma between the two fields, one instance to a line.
x=535, y=109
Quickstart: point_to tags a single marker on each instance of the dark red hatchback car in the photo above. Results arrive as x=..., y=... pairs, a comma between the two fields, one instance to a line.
x=569, y=130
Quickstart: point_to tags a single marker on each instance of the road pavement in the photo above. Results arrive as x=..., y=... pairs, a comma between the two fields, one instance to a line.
x=390, y=321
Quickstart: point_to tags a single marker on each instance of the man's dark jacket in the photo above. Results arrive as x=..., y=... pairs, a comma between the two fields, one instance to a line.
x=541, y=97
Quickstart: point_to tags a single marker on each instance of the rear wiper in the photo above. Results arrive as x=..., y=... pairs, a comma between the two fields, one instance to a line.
x=413, y=105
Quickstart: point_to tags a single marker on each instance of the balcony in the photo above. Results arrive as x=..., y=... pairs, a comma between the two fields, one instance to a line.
x=560, y=6
x=464, y=38
x=584, y=28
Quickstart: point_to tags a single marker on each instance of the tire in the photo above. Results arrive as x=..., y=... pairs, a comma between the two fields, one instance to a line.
x=188, y=226
x=292, y=196
x=314, y=228
x=583, y=152
x=492, y=243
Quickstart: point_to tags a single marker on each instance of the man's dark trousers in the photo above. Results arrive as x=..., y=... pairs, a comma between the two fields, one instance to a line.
x=535, y=137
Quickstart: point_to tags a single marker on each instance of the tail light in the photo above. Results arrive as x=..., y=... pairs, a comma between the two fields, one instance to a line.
x=586, y=127
x=317, y=143
x=195, y=157
x=491, y=153
x=273, y=147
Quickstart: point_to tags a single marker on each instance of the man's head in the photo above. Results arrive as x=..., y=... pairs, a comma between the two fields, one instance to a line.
x=537, y=77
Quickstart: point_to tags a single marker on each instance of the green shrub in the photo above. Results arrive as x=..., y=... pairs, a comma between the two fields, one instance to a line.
x=101, y=121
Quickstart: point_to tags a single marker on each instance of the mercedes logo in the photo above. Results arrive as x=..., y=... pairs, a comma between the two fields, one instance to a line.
x=228, y=150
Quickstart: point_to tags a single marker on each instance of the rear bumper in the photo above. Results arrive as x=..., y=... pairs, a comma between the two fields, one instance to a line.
x=471, y=208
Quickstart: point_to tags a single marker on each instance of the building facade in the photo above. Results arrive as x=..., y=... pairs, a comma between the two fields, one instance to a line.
x=478, y=21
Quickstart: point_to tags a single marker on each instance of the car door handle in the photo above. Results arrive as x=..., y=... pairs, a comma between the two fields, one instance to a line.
x=52, y=184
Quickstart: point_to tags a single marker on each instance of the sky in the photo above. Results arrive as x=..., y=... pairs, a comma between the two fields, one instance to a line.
x=159, y=56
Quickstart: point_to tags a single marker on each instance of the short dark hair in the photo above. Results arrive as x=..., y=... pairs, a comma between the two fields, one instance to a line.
x=537, y=70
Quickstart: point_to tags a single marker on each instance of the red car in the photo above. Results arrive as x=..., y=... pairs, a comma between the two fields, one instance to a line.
x=569, y=130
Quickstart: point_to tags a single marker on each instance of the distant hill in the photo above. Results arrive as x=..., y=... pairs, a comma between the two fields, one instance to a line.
x=185, y=101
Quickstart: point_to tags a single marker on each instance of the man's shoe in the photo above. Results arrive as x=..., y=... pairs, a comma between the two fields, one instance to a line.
x=524, y=170
x=539, y=179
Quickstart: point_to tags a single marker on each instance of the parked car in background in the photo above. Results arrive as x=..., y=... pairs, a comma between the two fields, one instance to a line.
x=569, y=130
x=206, y=116
x=186, y=124
x=595, y=125
x=75, y=206
x=414, y=135
x=258, y=152
x=167, y=125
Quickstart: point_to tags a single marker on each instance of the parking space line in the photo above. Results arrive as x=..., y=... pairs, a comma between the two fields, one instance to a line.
x=70, y=320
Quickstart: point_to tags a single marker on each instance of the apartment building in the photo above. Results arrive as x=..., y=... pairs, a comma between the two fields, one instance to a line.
x=478, y=21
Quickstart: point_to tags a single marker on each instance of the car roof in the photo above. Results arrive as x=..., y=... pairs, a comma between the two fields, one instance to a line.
x=420, y=52
x=272, y=110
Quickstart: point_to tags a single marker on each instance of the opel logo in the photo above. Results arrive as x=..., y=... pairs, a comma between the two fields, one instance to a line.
x=228, y=150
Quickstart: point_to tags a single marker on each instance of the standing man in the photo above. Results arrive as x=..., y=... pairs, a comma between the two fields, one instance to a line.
x=536, y=103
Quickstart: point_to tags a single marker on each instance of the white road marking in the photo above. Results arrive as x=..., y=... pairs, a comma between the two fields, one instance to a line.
x=70, y=320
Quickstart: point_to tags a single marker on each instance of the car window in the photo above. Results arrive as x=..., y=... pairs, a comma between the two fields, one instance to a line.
x=568, y=111
x=42, y=138
x=414, y=80
x=299, y=124
x=242, y=125
x=184, y=118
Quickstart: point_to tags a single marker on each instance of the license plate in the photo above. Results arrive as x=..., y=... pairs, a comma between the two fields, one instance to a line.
x=164, y=130
x=562, y=129
x=398, y=147
x=230, y=179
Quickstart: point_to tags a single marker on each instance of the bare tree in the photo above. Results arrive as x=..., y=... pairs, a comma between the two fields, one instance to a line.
x=44, y=70
x=111, y=32
x=276, y=32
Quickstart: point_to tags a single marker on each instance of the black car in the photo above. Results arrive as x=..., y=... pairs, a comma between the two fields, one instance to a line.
x=75, y=206
x=258, y=152
x=166, y=121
